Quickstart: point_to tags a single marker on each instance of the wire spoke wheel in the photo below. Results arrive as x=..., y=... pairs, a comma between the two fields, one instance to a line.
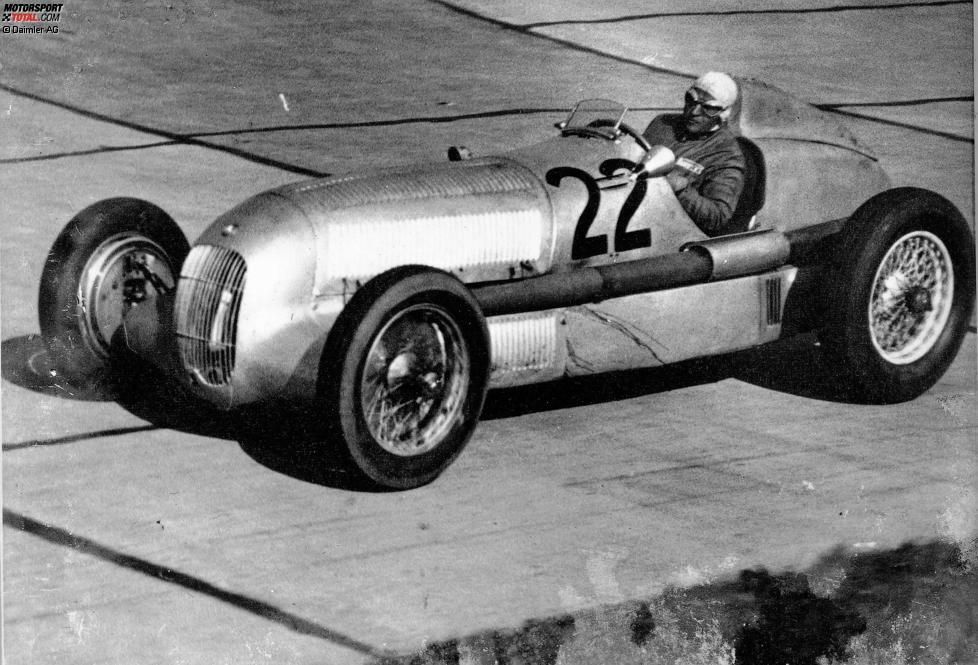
x=113, y=281
x=911, y=297
x=403, y=376
x=414, y=381
x=902, y=295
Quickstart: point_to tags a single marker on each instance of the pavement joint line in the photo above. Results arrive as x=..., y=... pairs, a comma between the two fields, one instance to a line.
x=173, y=136
x=89, y=152
x=745, y=12
x=831, y=107
x=63, y=537
x=895, y=123
x=905, y=102
x=294, y=622
x=514, y=27
x=435, y=119
x=524, y=30
x=74, y=438
x=186, y=138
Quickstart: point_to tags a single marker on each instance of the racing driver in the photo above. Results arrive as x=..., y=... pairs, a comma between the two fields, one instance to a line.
x=709, y=173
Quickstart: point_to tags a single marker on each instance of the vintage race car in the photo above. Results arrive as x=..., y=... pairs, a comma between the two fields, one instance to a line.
x=393, y=299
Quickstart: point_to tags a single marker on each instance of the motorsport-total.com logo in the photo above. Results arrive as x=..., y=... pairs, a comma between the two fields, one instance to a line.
x=25, y=18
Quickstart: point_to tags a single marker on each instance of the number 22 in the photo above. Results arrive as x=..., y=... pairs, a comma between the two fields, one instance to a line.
x=585, y=246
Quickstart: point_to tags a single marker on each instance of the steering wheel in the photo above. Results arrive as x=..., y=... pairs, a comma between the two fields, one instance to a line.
x=638, y=138
x=624, y=129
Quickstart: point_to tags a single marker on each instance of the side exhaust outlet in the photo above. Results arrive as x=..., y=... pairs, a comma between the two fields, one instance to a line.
x=742, y=253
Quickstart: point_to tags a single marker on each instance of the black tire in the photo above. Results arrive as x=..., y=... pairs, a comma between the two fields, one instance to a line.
x=83, y=294
x=404, y=374
x=907, y=257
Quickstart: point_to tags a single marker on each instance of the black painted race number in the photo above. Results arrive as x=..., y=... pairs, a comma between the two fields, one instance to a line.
x=585, y=246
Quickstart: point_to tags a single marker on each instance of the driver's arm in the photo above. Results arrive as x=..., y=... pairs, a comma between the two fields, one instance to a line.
x=710, y=199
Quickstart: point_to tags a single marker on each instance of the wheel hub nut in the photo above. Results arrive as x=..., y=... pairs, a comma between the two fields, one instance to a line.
x=918, y=300
x=134, y=290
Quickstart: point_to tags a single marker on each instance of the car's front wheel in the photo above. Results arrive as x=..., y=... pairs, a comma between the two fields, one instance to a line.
x=404, y=375
x=904, y=290
x=108, y=259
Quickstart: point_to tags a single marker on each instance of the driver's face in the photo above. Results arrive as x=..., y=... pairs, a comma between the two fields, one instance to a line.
x=701, y=111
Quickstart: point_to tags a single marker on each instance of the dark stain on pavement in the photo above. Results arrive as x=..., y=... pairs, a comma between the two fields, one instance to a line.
x=793, y=625
x=912, y=604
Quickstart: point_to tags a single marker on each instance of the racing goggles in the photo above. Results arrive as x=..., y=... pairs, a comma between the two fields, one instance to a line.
x=710, y=108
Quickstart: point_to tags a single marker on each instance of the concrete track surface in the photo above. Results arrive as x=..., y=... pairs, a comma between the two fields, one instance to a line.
x=135, y=536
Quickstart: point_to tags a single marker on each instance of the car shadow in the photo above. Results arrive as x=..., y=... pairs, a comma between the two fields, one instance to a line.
x=795, y=366
x=285, y=438
x=24, y=363
x=290, y=438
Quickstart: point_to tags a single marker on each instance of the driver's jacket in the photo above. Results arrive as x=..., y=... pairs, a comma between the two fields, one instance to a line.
x=715, y=166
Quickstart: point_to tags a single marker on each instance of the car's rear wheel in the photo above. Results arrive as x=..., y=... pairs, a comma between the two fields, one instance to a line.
x=404, y=375
x=105, y=261
x=904, y=290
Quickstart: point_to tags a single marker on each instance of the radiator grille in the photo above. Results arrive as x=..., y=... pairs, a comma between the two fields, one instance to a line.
x=206, y=313
x=773, y=291
x=523, y=342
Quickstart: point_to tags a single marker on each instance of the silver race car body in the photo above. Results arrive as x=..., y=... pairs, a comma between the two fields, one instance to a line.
x=574, y=257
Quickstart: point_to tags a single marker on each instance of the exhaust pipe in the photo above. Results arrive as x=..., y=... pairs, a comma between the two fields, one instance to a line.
x=593, y=284
x=742, y=253
x=696, y=263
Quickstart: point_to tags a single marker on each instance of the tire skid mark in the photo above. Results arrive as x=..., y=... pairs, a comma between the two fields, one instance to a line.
x=745, y=12
x=294, y=622
x=710, y=462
